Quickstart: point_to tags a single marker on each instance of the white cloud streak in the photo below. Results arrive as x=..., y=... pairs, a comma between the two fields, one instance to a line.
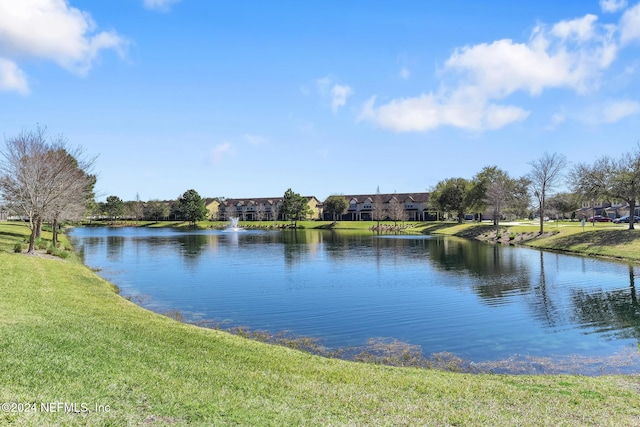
x=337, y=94
x=612, y=6
x=618, y=110
x=159, y=5
x=255, y=140
x=51, y=30
x=571, y=54
x=220, y=151
x=630, y=25
x=12, y=78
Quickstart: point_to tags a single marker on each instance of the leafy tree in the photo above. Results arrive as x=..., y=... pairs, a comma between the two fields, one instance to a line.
x=156, y=210
x=294, y=207
x=563, y=203
x=192, y=207
x=114, y=207
x=494, y=189
x=336, y=206
x=545, y=175
x=489, y=190
x=521, y=200
x=453, y=195
x=43, y=178
x=616, y=179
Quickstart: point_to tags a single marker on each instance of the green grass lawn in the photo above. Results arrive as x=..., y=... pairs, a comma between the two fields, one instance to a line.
x=67, y=337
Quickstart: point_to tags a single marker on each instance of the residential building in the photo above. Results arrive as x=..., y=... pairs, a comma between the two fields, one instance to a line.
x=610, y=208
x=412, y=207
x=262, y=209
x=213, y=207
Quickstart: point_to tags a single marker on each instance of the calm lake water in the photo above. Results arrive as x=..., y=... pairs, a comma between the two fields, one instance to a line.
x=478, y=301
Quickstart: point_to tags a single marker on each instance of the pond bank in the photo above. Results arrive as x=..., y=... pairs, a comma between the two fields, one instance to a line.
x=611, y=241
x=68, y=337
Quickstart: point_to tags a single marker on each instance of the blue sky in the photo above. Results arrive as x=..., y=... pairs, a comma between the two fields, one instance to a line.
x=249, y=98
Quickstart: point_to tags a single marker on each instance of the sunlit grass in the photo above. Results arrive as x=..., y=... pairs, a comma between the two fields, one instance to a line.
x=66, y=336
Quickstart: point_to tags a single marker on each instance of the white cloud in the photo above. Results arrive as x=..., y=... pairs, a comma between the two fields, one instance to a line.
x=428, y=112
x=405, y=73
x=52, y=30
x=556, y=120
x=339, y=95
x=581, y=29
x=612, y=6
x=571, y=54
x=220, y=151
x=160, y=5
x=12, y=78
x=617, y=110
x=630, y=25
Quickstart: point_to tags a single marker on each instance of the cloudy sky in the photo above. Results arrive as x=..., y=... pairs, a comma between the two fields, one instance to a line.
x=249, y=98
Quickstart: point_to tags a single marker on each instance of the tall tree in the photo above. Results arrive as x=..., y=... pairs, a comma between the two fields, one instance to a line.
x=336, y=206
x=156, y=210
x=114, y=207
x=396, y=210
x=519, y=205
x=616, y=179
x=453, y=195
x=192, y=207
x=39, y=174
x=563, y=203
x=378, y=210
x=546, y=173
x=294, y=207
x=75, y=202
x=494, y=189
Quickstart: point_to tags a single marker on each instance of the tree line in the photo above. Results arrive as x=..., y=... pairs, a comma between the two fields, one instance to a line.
x=494, y=190
x=44, y=179
x=190, y=206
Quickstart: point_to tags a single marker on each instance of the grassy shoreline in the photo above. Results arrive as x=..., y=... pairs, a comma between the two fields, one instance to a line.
x=67, y=337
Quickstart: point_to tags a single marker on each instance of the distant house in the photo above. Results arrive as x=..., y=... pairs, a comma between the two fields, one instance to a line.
x=262, y=209
x=213, y=207
x=413, y=206
x=609, y=208
x=4, y=214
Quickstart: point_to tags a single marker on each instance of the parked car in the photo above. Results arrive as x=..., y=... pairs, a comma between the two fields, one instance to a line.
x=626, y=219
x=599, y=218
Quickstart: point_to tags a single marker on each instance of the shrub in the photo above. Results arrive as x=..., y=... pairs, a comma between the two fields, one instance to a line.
x=18, y=248
x=41, y=244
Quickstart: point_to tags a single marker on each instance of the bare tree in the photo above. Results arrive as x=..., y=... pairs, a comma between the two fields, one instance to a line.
x=73, y=203
x=396, y=210
x=617, y=179
x=492, y=188
x=499, y=193
x=261, y=211
x=378, y=210
x=41, y=177
x=545, y=174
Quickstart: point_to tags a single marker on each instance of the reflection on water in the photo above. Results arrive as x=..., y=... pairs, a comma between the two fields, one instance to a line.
x=481, y=302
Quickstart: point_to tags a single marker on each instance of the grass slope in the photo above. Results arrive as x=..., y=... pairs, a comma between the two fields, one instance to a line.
x=66, y=336
x=602, y=239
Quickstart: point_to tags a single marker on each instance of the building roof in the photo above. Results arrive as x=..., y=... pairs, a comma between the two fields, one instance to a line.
x=401, y=197
x=259, y=200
